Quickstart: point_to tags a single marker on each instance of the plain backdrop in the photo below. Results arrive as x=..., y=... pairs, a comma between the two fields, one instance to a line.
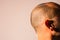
x=15, y=19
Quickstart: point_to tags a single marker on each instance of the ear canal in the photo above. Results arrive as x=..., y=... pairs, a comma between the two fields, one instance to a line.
x=49, y=23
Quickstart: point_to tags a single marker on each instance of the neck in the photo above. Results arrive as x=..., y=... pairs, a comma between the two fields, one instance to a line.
x=43, y=33
x=43, y=36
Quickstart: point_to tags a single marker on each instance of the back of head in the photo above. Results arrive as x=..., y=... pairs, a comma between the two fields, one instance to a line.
x=43, y=12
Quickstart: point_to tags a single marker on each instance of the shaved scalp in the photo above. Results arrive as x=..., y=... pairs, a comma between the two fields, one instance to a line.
x=42, y=11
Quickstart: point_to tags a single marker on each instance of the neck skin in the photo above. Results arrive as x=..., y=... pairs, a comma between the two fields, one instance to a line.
x=44, y=33
x=44, y=36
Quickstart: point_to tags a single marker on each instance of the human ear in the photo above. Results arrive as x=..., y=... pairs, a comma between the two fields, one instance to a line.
x=49, y=24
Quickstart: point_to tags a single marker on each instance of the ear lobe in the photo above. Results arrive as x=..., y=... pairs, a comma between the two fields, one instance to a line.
x=49, y=23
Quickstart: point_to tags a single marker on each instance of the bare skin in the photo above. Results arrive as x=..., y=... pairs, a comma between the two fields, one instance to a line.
x=45, y=31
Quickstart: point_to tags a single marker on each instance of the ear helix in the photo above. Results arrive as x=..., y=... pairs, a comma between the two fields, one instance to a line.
x=49, y=23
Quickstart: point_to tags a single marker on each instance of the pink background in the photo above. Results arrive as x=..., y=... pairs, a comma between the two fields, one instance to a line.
x=15, y=19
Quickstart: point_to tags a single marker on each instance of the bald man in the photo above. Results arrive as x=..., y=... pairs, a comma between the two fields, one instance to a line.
x=45, y=19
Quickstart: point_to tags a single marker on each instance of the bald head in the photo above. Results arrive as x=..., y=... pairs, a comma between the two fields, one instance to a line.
x=43, y=12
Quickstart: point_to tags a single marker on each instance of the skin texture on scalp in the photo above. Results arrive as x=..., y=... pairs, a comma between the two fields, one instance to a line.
x=39, y=15
x=43, y=12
